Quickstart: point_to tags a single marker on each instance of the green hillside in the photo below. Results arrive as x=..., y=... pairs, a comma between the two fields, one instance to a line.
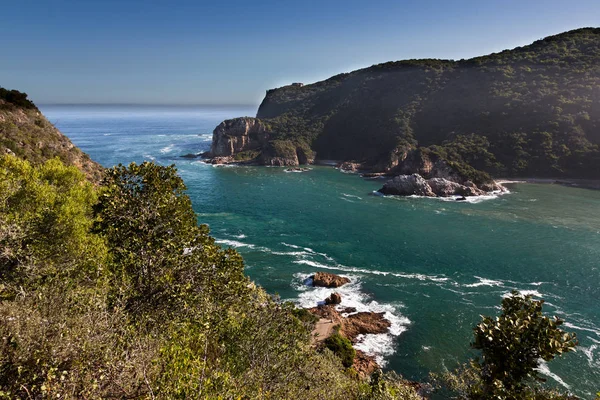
x=533, y=110
x=26, y=133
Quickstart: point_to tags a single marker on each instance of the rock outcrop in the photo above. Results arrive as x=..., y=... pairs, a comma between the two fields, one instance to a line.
x=364, y=364
x=415, y=184
x=334, y=298
x=363, y=323
x=407, y=185
x=324, y=279
x=237, y=135
x=351, y=327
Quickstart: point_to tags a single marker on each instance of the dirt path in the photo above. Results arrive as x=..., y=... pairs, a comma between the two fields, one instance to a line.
x=323, y=329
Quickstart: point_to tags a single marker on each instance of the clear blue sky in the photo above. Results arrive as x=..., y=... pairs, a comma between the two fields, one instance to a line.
x=230, y=52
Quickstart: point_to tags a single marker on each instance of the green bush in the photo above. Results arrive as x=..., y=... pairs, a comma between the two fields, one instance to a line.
x=512, y=346
x=341, y=347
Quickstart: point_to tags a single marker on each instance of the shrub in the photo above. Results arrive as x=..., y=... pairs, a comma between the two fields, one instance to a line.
x=341, y=347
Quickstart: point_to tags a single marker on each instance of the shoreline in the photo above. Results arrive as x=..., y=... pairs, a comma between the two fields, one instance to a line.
x=592, y=184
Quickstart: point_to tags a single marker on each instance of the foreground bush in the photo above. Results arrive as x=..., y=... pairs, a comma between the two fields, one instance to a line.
x=512, y=347
x=116, y=292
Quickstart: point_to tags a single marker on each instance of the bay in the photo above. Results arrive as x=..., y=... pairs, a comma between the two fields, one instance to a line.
x=433, y=266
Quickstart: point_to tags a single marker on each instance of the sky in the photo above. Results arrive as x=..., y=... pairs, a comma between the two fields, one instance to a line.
x=231, y=52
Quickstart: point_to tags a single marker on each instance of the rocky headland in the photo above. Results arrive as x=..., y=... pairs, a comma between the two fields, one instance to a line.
x=456, y=124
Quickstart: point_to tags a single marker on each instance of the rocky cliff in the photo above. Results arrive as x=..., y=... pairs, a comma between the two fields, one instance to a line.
x=530, y=111
x=247, y=140
x=25, y=132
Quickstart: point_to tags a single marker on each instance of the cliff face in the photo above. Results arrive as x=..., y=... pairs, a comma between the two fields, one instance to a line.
x=247, y=139
x=237, y=135
x=530, y=111
x=25, y=132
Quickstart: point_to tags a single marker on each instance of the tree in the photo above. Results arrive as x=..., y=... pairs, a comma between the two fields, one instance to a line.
x=513, y=344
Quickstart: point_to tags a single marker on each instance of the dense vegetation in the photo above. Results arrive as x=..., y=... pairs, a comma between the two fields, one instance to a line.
x=116, y=292
x=25, y=132
x=533, y=110
x=14, y=98
x=512, y=347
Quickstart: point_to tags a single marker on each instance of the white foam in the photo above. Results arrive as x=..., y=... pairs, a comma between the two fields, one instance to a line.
x=290, y=253
x=167, y=149
x=309, y=250
x=351, y=196
x=468, y=199
x=589, y=353
x=484, y=282
x=533, y=293
x=234, y=243
x=237, y=244
x=543, y=369
x=377, y=345
x=572, y=326
x=339, y=267
x=296, y=171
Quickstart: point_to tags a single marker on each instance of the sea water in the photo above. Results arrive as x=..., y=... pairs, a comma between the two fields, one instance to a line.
x=432, y=266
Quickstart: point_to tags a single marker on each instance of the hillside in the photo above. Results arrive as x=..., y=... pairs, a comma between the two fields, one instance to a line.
x=25, y=132
x=529, y=111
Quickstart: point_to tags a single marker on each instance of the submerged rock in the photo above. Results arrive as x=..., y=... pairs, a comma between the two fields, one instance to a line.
x=324, y=279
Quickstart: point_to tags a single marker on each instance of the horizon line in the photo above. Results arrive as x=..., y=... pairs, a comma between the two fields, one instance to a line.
x=41, y=104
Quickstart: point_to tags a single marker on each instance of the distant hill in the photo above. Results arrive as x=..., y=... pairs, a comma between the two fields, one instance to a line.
x=530, y=111
x=25, y=132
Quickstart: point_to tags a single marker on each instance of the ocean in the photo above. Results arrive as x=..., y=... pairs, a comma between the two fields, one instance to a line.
x=432, y=266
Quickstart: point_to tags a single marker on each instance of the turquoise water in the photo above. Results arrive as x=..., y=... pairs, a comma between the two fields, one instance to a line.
x=433, y=266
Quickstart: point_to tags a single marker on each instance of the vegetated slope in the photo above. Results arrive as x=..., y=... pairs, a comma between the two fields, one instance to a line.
x=533, y=110
x=25, y=132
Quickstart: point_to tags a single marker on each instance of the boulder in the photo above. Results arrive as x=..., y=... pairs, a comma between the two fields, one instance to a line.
x=443, y=187
x=363, y=323
x=335, y=298
x=407, y=185
x=324, y=279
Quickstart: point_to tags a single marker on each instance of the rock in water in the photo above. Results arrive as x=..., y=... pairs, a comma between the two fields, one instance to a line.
x=335, y=298
x=364, y=323
x=443, y=187
x=324, y=279
x=407, y=185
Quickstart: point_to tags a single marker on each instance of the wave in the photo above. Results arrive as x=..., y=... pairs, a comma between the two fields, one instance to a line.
x=236, y=244
x=572, y=326
x=485, y=282
x=309, y=250
x=351, y=196
x=167, y=149
x=545, y=370
x=339, y=267
x=455, y=199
